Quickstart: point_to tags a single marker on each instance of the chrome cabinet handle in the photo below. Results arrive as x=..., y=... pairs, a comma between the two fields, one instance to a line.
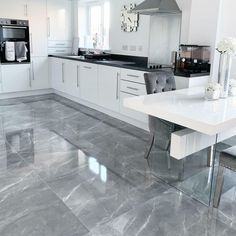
x=63, y=72
x=30, y=83
x=60, y=50
x=135, y=89
x=78, y=83
x=117, y=86
x=135, y=76
x=32, y=70
x=49, y=27
x=60, y=44
x=31, y=39
x=88, y=67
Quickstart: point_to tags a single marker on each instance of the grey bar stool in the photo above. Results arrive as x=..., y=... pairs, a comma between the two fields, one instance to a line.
x=227, y=160
x=160, y=130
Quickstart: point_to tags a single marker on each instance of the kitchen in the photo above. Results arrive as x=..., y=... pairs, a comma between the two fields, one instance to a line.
x=73, y=138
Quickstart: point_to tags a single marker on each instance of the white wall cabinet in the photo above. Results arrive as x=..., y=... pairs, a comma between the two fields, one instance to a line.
x=14, y=9
x=59, y=19
x=39, y=73
x=109, y=87
x=16, y=78
x=37, y=11
x=89, y=82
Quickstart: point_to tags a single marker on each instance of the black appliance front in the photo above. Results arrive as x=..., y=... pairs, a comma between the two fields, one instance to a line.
x=14, y=31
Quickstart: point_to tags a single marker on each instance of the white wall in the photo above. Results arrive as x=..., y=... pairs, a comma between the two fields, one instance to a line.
x=227, y=25
x=118, y=38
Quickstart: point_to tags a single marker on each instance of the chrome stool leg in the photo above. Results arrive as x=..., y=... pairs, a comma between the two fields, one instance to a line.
x=210, y=155
x=219, y=185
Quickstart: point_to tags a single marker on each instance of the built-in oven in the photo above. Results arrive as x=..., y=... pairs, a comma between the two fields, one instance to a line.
x=14, y=41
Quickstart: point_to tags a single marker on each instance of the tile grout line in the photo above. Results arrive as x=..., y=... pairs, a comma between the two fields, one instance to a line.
x=47, y=185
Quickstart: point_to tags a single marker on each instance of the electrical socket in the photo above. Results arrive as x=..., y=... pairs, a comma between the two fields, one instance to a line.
x=132, y=48
x=140, y=48
x=125, y=47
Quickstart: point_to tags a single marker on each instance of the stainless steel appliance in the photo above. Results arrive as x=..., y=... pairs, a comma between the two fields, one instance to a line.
x=17, y=32
x=192, y=60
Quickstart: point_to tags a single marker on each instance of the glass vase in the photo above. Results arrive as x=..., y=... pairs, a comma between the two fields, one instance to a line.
x=224, y=74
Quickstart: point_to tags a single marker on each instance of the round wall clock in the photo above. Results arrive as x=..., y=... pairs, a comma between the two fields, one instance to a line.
x=129, y=21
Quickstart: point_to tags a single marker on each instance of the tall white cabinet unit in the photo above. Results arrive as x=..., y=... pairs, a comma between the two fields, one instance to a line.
x=34, y=76
x=37, y=12
x=59, y=21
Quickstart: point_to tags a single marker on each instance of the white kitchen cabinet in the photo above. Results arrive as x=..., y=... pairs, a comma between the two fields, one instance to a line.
x=14, y=9
x=57, y=74
x=108, y=87
x=132, y=84
x=39, y=73
x=129, y=112
x=89, y=82
x=37, y=11
x=16, y=78
x=59, y=19
x=72, y=78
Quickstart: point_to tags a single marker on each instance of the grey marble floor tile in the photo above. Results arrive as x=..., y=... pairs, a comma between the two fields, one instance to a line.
x=29, y=207
x=168, y=214
x=99, y=196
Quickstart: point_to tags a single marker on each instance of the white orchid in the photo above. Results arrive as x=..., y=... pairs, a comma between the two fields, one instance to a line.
x=232, y=83
x=211, y=87
x=227, y=46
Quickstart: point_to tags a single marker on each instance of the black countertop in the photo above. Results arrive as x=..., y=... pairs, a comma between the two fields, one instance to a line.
x=131, y=63
x=127, y=62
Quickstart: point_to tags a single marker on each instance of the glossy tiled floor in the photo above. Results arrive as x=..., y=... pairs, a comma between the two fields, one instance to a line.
x=68, y=170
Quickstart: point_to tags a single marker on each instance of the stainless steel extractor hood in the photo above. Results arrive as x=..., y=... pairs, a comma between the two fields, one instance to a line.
x=151, y=7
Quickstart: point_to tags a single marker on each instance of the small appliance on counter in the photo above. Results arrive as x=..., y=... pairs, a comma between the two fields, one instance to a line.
x=14, y=41
x=193, y=60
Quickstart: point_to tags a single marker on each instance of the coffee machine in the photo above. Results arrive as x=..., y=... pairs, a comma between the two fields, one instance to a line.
x=193, y=60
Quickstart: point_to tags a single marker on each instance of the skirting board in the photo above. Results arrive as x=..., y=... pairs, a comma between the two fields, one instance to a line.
x=116, y=115
x=25, y=93
x=186, y=142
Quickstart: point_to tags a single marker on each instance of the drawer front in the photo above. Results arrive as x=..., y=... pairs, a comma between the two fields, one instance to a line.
x=132, y=88
x=129, y=112
x=59, y=51
x=133, y=75
x=59, y=44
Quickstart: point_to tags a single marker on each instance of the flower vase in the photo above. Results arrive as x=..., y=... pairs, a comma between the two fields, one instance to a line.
x=224, y=74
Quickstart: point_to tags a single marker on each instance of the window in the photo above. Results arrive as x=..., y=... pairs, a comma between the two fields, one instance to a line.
x=94, y=24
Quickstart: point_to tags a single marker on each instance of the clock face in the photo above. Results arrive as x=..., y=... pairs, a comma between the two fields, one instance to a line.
x=129, y=21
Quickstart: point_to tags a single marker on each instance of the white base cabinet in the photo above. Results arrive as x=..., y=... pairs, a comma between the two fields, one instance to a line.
x=89, y=82
x=109, y=87
x=39, y=73
x=16, y=78
x=72, y=78
x=57, y=73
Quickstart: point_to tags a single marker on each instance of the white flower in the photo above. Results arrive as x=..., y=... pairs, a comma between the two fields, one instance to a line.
x=211, y=87
x=232, y=83
x=227, y=46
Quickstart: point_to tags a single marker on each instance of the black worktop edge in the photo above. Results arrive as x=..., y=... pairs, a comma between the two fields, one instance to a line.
x=105, y=64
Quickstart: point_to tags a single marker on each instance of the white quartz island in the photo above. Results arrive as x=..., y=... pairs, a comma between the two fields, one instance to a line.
x=188, y=107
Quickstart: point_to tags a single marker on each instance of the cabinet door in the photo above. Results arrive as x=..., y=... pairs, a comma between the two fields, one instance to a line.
x=89, y=82
x=129, y=112
x=39, y=73
x=108, y=87
x=14, y=9
x=38, y=27
x=59, y=19
x=16, y=78
x=72, y=78
x=57, y=74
